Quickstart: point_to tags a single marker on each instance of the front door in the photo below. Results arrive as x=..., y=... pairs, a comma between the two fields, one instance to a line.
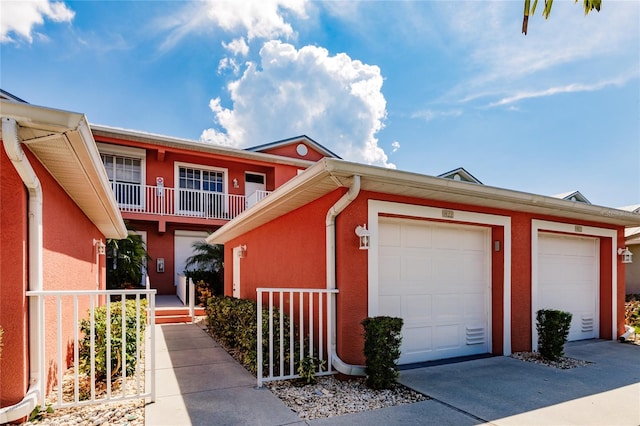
x=254, y=186
x=237, y=251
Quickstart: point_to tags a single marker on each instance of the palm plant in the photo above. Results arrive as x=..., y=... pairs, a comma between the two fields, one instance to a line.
x=207, y=265
x=126, y=260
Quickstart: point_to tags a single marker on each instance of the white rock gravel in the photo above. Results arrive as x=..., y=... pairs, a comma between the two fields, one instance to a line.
x=330, y=397
x=563, y=363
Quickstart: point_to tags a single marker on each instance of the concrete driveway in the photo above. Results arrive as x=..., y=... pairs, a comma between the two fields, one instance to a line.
x=506, y=391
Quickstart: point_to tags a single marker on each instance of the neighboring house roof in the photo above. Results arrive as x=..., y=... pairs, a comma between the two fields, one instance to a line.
x=155, y=141
x=295, y=140
x=63, y=143
x=573, y=196
x=329, y=174
x=6, y=95
x=460, y=174
x=632, y=235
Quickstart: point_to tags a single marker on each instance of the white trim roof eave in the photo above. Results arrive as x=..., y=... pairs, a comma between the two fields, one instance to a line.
x=329, y=174
x=63, y=143
x=179, y=143
x=302, y=138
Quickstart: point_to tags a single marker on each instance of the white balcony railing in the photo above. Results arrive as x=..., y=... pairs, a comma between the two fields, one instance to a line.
x=181, y=202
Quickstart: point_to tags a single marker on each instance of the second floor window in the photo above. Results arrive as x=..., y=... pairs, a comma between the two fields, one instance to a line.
x=201, y=191
x=125, y=175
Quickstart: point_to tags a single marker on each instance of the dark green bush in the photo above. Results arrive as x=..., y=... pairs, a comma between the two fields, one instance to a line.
x=382, y=339
x=553, y=329
x=234, y=323
x=100, y=343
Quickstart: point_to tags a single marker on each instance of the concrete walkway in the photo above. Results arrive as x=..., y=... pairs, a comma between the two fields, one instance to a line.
x=198, y=383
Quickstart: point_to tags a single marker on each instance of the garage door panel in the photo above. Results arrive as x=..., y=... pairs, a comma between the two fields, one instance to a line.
x=447, y=337
x=443, y=283
x=390, y=306
x=389, y=235
x=568, y=280
x=416, y=236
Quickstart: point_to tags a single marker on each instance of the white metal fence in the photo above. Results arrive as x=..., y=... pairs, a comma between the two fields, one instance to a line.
x=74, y=380
x=305, y=316
x=163, y=201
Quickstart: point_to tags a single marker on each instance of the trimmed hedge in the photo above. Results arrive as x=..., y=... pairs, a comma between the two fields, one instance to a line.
x=382, y=340
x=116, y=357
x=553, y=329
x=234, y=323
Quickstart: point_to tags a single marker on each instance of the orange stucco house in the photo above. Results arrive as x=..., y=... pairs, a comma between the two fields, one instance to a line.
x=56, y=209
x=465, y=265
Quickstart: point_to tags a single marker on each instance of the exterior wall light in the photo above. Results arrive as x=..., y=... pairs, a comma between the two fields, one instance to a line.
x=100, y=247
x=235, y=183
x=242, y=253
x=626, y=255
x=363, y=233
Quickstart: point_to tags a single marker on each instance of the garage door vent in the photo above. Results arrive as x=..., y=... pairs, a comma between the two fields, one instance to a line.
x=475, y=335
x=587, y=324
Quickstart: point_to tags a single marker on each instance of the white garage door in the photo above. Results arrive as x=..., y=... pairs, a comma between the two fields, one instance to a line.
x=183, y=249
x=568, y=275
x=437, y=278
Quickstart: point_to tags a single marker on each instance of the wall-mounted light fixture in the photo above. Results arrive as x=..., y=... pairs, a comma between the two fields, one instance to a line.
x=235, y=183
x=363, y=233
x=626, y=255
x=100, y=247
x=242, y=253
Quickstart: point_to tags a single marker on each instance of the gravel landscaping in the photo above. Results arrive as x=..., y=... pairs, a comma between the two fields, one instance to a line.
x=330, y=397
x=563, y=363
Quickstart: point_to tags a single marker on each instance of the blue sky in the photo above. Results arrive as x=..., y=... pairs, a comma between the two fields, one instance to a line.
x=423, y=86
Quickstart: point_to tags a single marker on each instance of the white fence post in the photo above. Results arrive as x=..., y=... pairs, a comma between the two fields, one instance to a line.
x=192, y=300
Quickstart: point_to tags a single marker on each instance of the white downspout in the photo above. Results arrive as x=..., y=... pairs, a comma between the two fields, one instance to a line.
x=334, y=211
x=14, y=151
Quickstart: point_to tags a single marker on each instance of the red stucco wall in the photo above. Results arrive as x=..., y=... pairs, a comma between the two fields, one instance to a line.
x=14, y=373
x=290, y=151
x=290, y=252
x=69, y=263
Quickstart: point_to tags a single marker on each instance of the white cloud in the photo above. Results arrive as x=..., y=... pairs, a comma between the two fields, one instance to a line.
x=20, y=17
x=237, y=47
x=253, y=19
x=430, y=114
x=334, y=99
x=569, y=88
x=567, y=47
x=395, y=145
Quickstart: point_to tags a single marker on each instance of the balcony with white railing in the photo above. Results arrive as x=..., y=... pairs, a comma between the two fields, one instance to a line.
x=157, y=200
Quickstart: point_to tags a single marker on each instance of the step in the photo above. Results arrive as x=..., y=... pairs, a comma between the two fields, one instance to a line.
x=172, y=319
x=178, y=311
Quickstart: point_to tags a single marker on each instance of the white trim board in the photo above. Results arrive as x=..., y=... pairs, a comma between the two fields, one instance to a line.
x=376, y=207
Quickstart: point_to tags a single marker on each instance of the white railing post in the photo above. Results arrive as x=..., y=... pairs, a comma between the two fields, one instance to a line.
x=192, y=300
x=259, y=339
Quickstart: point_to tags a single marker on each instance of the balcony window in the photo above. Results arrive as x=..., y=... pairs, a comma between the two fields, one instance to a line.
x=125, y=175
x=201, y=192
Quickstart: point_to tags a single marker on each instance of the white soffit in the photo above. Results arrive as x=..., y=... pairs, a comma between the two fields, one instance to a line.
x=64, y=145
x=330, y=174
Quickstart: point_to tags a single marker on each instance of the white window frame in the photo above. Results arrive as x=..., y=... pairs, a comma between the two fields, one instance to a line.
x=176, y=185
x=128, y=152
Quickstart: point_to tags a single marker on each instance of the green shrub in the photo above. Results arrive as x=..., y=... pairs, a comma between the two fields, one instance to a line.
x=382, y=339
x=632, y=311
x=234, y=323
x=553, y=329
x=115, y=357
x=308, y=367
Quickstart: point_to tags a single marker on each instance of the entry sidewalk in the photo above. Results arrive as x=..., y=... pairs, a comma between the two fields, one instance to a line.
x=198, y=383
